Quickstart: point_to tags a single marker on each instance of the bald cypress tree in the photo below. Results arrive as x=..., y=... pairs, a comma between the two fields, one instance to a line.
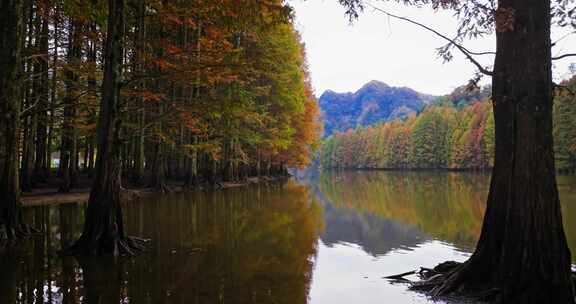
x=103, y=232
x=11, y=225
x=522, y=255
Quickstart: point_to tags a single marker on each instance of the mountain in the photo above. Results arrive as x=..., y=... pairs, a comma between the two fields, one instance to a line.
x=373, y=103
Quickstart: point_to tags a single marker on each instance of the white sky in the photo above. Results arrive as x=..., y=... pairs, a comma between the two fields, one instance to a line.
x=343, y=57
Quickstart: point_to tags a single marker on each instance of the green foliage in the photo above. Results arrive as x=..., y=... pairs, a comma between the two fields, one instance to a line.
x=429, y=135
x=565, y=128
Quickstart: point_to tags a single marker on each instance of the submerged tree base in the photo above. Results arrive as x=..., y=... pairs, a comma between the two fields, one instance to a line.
x=446, y=280
x=9, y=233
x=452, y=280
x=12, y=227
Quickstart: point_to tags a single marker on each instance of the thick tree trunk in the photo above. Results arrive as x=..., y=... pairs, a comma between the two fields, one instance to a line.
x=522, y=253
x=11, y=225
x=103, y=227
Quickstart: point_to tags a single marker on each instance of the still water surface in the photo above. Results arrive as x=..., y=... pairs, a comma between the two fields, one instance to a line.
x=328, y=241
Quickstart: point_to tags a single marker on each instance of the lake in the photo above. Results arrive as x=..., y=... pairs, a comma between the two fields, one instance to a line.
x=327, y=241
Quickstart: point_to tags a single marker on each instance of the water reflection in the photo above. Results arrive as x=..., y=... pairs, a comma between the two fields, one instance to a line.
x=244, y=245
x=382, y=223
x=375, y=234
x=415, y=207
x=331, y=241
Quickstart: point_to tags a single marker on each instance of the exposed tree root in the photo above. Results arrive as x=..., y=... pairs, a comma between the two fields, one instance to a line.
x=13, y=229
x=452, y=280
x=13, y=237
x=118, y=246
x=446, y=280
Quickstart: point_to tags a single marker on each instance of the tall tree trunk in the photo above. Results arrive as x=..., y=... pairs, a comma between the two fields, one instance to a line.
x=41, y=163
x=103, y=232
x=138, y=166
x=11, y=225
x=86, y=153
x=91, y=154
x=192, y=176
x=29, y=98
x=159, y=168
x=92, y=58
x=522, y=252
x=53, y=90
x=68, y=150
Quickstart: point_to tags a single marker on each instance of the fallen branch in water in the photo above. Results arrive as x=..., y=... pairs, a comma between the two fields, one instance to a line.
x=400, y=276
x=427, y=274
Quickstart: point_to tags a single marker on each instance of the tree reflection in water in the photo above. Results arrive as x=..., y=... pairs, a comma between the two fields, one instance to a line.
x=394, y=210
x=257, y=244
x=244, y=245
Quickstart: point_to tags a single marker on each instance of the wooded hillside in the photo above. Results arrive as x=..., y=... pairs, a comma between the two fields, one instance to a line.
x=455, y=132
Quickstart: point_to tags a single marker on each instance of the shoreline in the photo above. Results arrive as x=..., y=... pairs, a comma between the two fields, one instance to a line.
x=449, y=170
x=51, y=196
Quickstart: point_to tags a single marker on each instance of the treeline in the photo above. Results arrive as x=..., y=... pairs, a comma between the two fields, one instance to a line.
x=443, y=136
x=140, y=91
x=210, y=91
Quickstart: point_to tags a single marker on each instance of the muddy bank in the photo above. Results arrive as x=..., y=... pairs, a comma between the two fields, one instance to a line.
x=51, y=196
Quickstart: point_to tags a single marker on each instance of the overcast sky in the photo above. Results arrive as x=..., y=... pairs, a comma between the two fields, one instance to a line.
x=343, y=57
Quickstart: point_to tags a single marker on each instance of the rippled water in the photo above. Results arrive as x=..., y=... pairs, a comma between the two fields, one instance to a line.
x=328, y=241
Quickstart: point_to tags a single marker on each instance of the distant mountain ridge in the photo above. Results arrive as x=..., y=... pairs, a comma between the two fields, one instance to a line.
x=374, y=102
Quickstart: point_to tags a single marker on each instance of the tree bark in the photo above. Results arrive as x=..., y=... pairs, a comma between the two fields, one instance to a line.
x=68, y=149
x=29, y=93
x=103, y=232
x=137, y=174
x=11, y=225
x=522, y=252
x=41, y=164
x=53, y=90
x=158, y=172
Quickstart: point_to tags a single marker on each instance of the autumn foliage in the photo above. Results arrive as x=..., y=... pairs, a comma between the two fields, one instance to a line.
x=211, y=91
x=443, y=137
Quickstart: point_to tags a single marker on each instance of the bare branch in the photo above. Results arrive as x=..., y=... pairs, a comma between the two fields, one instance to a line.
x=563, y=37
x=465, y=51
x=564, y=56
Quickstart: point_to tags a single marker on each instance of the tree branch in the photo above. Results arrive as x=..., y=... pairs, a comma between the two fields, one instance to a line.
x=465, y=51
x=564, y=56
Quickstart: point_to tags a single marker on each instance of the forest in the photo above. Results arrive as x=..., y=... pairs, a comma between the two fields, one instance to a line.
x=132, y=94
x=455, y=132
x=210, y=91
